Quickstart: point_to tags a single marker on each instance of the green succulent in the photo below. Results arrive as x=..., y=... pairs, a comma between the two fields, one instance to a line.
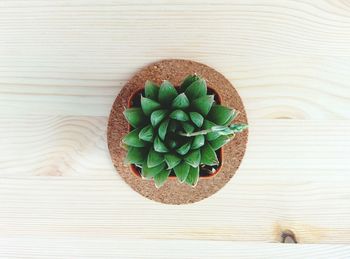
x=177, y=130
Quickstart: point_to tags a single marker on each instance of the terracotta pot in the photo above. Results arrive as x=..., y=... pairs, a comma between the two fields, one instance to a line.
x=202, y=175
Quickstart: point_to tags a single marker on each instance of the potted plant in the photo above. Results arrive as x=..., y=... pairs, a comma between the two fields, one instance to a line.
x=178, y=132
x=181, y=124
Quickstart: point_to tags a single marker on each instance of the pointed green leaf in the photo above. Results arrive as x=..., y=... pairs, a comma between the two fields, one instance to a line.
x=239, y=127
x=226, y=131
x=181, y=171
x=218, y=128
x=180, y=102
x=208, y=155
x=148, y=105
x=220, y=141
x=167, y=93
x=135, y=117
x=147, y=133
x=193, y=158
x=197, y=119
x=212, y=135
x=196, y=89
x=232, y=129
x=193, y=176
x=163, y=129
x=160, y=178
x=184, y=148
x=154, y=158
x=171, y=143
x=151, y=90
x=172, y=160
x=220, y=115
x=179, y=115
x=231, y=118
x=173, y=125
x=198, y=141
x=158, y=116
x=203, y=104
x=150, y=172
x=188, y=127
x=136, y=155
x=159, y=146
x=188, y=81
x=132, y=139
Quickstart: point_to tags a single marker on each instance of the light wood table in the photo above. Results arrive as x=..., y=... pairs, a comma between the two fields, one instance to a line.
x=63, y=62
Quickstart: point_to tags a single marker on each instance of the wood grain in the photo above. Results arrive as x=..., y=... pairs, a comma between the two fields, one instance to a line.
x=286, y=58
x=145, y=248
x=297, y=88
x=294, y=176
x=63, y=62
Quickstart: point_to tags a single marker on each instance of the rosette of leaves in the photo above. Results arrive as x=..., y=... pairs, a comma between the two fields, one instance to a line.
x=177, y=130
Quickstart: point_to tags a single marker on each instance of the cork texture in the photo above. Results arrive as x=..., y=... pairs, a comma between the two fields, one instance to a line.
x=173, y=192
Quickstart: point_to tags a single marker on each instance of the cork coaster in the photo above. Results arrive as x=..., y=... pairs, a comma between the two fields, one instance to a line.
x=173, y=192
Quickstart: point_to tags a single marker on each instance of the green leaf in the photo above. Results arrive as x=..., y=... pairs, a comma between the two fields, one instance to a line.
x=180, y=102
x=188, y=127
x=132, y=139
x=225, y=132
x=219, y=128
x=162, y=130
x=198, y=141
x=197, y=119
x=193, y=158
x=154, y=158
x=184, y=148
x=212, y=135
x=193, y=176
x=158, y=116
x=232, y=129
x=220, y=141
x=172, y=160
x=148, y=105
x=173, y=126
x=171, y=143
x=231, y=118
x=221, y=115
x=160, y=178
x=208, y=155
x=167, y=93
x=239, y=127
x=136, y=155
x=150, y=172
x=203, y=104
x=196, y=89
x=188, y=81
x=135, y=117
x=159, y=146
x=151, y=90
x=181, y=171
x=179, y=115
x=147, y=133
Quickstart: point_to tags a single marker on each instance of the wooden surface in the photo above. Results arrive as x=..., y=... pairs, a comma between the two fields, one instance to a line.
x=63, y=62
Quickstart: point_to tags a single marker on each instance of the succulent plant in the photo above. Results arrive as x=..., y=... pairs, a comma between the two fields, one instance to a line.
x=177, y=130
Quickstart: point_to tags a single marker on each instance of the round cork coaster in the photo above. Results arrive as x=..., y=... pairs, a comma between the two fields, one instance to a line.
x=173, y=192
